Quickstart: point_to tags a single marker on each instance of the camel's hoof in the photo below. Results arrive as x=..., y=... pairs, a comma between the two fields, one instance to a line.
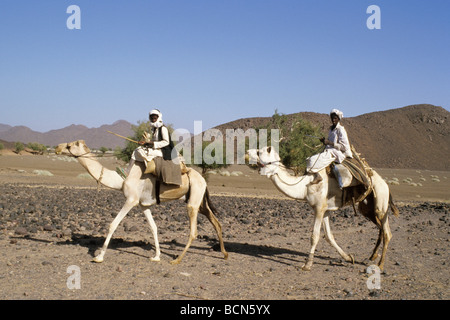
x=97, y=259
x=156, y=259
x=352, y=259
x=175, y=261
x=306, y=267
x=225, y=256
x=373, y=257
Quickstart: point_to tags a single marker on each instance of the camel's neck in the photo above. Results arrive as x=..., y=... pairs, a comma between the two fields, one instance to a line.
x=105, y=176
x=293, y=187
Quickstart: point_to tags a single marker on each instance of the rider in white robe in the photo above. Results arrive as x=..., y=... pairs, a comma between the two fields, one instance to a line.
x=151, y=147
x=151, y=144
x=336, y=150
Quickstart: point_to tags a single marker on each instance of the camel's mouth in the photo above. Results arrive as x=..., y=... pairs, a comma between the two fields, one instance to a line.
x=60, y=148
x=253, y=161
x=259, y=163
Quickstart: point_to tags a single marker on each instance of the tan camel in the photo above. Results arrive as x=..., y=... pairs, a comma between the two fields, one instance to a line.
x=139, y=189
x=326, y=196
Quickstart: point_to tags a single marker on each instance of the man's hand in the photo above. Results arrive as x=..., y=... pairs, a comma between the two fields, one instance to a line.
x=146, y=136
x=326, y=141
x=147, y=144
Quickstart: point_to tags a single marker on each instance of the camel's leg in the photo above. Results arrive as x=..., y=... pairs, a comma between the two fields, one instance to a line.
x=122, y=213
x=377, y=245
x=152, y=223
x=314, y=238
x=387, y=236
x=193, y=212
x=216, y=224
x=330, y=238
x=381, y=207
x=368, y=210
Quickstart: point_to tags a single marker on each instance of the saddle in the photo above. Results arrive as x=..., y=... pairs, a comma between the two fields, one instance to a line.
x=166, y=171
x=356, y=175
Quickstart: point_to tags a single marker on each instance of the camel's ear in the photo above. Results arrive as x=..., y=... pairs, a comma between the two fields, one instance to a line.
x=85, y=147
x=269, y=149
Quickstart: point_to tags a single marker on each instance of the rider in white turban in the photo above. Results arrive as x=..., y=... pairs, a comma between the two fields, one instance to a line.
x=336, y=150
x=337, y=112
x=158, y=123
x=151, y=143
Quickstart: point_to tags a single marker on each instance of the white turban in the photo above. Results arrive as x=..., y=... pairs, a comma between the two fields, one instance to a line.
x=339, y=113
x=159, y=122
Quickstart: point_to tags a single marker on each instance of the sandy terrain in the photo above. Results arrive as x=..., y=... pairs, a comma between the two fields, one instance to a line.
x=49, y=223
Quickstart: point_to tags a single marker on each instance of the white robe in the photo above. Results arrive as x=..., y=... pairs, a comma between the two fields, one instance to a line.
x=335, y=153
x=146, y=154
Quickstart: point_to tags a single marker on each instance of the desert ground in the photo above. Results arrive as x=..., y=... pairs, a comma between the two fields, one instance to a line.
x=53, y=216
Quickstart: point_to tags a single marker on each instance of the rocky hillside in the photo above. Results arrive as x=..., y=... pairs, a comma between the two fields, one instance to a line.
x=416, y=136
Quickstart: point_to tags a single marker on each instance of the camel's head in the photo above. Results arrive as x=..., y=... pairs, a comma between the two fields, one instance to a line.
x=75, y=148
x=267, y=159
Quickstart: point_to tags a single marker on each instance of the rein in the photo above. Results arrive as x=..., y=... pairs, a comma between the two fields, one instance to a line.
x=290, y=184
x=285, y=167
x=80, y=156
x=85, y=155
x=290, y=168
x=99, y=179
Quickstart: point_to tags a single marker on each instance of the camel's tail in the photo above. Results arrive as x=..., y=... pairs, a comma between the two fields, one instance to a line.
x=394, y=208
x=206, y=203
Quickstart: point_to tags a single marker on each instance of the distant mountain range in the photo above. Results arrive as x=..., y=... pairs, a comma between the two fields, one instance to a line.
x=94, y=137
x=416, y=136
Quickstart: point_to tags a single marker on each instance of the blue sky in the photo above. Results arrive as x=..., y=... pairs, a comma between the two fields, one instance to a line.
x=217, y=60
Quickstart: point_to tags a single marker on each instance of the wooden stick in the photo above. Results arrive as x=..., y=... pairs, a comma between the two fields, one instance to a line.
x=123, y=137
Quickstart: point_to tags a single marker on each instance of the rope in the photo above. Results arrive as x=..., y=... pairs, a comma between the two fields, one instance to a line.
x=312, y=148
x=99, y=180
x=90, y=154
x=291, y=184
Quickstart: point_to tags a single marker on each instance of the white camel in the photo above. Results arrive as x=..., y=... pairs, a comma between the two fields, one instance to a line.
x=326, y=196
x=139, y=189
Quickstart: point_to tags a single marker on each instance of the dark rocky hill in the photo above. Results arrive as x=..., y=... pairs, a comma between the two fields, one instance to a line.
x=416, y=136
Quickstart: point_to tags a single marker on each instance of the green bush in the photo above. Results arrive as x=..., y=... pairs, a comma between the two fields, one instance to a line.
x=212, y=166
x=18, y=147
x=139, y=129
x=103, y=150
x=299, y=140
x=37, y=147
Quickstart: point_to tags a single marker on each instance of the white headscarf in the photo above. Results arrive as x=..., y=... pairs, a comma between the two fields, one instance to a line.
x=339, y=113
x=158, y=123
